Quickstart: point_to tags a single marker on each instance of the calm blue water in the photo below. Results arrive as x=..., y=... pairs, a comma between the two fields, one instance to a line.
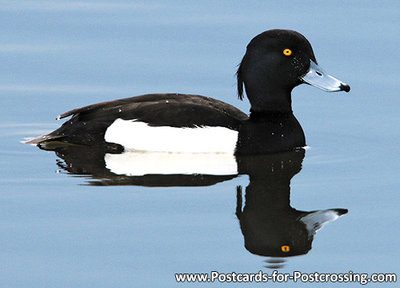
x=59, y=231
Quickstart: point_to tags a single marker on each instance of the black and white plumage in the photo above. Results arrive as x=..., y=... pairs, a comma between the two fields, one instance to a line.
x=156, y=120
x=275, y=62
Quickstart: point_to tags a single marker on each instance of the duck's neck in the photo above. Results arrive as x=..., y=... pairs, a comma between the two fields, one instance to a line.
x=263, y=98
x=260, y=116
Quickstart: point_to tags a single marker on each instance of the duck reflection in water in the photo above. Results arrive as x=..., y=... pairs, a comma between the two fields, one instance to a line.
x=270, y=226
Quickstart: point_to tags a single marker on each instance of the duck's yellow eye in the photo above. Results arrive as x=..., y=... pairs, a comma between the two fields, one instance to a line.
x=287, y=52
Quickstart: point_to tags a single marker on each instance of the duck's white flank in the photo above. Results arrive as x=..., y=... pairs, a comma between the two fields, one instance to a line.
x=145, y=163
x=139, y=136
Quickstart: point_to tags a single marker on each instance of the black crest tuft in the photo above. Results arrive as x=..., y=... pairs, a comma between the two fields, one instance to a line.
x=240, y=82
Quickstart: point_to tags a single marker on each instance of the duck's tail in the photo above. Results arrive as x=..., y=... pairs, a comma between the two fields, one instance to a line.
x=41, y=139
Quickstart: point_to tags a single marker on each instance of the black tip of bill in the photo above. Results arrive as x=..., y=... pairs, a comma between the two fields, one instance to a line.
x=344, y=87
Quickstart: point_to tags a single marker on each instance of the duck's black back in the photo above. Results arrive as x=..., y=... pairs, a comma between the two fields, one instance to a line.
x=88, y=124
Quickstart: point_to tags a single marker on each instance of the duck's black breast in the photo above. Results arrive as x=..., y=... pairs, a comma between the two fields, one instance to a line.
x=270, y=133
x=89, y=124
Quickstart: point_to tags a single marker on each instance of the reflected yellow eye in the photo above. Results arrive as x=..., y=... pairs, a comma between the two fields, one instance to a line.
x=287, y=52
x=285, y=248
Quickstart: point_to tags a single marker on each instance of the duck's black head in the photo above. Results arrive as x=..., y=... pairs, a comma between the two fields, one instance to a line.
x=275, y=62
